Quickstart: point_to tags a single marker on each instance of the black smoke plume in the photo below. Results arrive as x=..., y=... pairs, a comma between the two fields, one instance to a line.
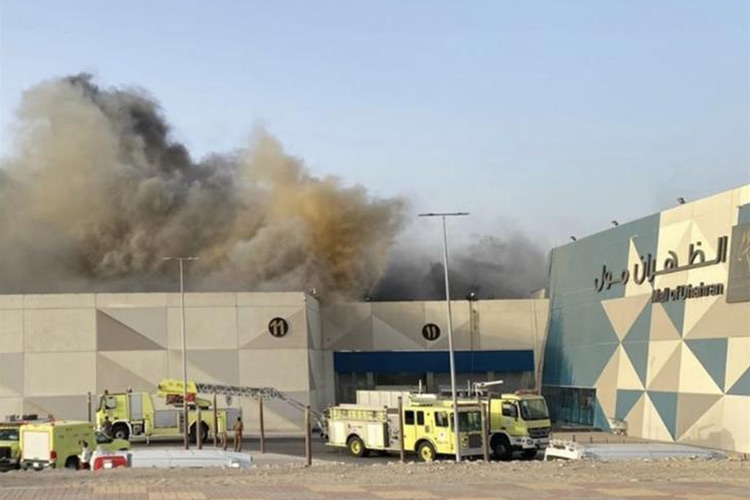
x=96, y=193
x=489, y=267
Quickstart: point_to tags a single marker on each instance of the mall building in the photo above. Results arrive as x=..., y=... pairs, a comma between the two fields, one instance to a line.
x=646, y=324
x=56, y=349
x=650, y=325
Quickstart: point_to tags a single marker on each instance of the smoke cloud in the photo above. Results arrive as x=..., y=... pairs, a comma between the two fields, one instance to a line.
x=489, y=267
x=96, y=193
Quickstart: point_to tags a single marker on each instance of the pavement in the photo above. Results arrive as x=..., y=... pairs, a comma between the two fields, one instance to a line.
x=689, y=490
x=280, y=475
x=279, y=449
x=291, y=448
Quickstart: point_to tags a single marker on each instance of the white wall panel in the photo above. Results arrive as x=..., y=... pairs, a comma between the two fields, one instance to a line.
x=11, y=330
x=59, y=373
x=59, y=330
x=206, y=327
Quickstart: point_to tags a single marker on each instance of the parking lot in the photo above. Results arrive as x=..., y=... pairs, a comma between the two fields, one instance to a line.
x=682, y=479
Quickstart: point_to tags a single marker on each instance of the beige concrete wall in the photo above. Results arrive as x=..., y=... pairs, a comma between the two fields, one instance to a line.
x=484, y=325
x=320, y=361
x=11, y=354
x=59, y=330
x=11, y=330
x=56, y=348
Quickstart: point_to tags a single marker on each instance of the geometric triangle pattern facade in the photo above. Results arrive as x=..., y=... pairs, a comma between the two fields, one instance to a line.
x=712, y=354
x=98, y=342
x=676, y=366
x=742, y=386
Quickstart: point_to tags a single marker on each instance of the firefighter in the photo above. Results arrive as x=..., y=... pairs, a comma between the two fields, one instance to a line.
x=238, y=428
x=107, y=427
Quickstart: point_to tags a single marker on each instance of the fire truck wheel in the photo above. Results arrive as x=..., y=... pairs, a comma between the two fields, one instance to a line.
x=501, y=448
x=72, y=463
x=204, y=433
x=357, y=447
x=121, y=431
x=426, y=451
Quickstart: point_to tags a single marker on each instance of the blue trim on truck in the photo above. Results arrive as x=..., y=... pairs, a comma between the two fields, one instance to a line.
x=433, y=361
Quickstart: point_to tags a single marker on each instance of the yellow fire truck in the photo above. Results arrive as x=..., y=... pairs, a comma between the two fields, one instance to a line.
x=10, y=449
x=427, y=422
x=60, y=443
x=519, y=422
x=10, y=439
x=133, y=414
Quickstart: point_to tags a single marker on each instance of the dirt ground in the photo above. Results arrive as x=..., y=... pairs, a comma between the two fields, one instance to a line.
x=640, y=471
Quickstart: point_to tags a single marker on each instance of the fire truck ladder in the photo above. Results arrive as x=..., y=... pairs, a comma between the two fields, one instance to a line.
x=260, y=392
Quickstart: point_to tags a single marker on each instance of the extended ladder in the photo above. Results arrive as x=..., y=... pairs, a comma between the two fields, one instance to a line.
x=243, y=392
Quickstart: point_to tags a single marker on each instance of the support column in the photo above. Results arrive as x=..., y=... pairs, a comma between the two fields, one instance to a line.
x=431, y=382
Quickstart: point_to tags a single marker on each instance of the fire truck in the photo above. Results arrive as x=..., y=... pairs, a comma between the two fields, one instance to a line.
x=519, y=422
x=133, y=414
x=427, y=424
x=10, y=439
x=10, y=449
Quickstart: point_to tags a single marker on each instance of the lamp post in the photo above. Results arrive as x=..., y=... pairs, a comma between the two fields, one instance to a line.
x=182, y=260
x=451, y=354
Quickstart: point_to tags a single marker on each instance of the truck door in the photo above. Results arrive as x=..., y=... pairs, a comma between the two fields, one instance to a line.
x=410, y=431
x=136, y=406
x=424, y=426
x=442, y=431
x=510, y=421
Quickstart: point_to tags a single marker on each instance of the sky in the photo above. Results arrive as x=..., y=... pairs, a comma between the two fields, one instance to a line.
x=547, y=117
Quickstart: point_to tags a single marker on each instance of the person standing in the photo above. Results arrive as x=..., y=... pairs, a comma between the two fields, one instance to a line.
x=238, y=428
x=85, y=458
x=107, y=426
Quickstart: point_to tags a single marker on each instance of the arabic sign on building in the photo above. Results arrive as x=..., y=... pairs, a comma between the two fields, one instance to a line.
x=738, y=283
x=647, y=269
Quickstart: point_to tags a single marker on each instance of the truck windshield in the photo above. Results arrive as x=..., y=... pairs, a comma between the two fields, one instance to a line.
x=534, y=409
x=470, y=421
x=107, y=403
x=8, y=434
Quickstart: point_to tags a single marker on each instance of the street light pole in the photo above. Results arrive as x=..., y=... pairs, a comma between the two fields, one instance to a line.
x=186, y=434
x=450, y=324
